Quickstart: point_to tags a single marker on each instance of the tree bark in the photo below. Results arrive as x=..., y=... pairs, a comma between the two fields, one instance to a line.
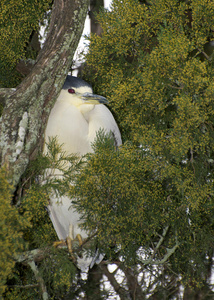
x=92, y=288
x=95, y=6
x=26, y=111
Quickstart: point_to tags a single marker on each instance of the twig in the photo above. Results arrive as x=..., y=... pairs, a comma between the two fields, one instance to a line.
x=169, y=252
x=27, y=286
x=205, y=55
x=176, y=87
x=192, y=159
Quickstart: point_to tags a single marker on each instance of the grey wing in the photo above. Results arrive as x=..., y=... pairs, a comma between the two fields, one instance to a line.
x=104, y=119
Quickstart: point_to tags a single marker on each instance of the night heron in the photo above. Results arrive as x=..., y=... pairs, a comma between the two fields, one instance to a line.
x=75, y=119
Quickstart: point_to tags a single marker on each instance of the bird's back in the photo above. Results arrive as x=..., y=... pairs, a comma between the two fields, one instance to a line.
x=102, y=118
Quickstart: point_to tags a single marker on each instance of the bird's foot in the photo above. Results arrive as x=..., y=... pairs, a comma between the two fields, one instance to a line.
x=70, y=243
x=74, y=244
x=59, y=243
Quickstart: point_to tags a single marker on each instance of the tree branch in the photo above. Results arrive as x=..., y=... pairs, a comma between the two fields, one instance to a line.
x=39, y=279
x=35, y=255
x=39, y=254
x=123, y=294
x=133, y=285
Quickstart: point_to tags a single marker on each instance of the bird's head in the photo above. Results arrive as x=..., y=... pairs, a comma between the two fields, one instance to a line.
x=79, y=92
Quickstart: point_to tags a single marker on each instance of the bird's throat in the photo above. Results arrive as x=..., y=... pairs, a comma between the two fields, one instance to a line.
x=86, y=109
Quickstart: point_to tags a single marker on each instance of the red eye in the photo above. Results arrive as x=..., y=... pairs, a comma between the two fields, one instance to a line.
x=71, y=91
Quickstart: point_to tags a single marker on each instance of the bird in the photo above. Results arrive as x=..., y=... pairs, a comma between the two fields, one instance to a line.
x=75, y=119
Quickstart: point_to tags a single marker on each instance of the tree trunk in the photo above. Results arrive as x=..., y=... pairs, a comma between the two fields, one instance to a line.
x=27, y=108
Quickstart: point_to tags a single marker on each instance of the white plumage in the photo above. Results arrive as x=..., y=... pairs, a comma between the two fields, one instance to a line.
x=75, y=119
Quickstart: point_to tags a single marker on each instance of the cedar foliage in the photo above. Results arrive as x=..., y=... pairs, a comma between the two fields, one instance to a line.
x=153, y=63
x=18, y=20
x=11, y=231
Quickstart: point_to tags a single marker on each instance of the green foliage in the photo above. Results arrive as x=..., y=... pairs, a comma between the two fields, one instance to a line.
x=34, y=208
x=11, y=226
x=17, y=21
x=151, y=62
x=59, y=271
x=124, y=197
x=114, y=192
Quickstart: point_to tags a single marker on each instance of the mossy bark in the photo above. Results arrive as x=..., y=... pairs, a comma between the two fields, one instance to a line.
x=36, y=95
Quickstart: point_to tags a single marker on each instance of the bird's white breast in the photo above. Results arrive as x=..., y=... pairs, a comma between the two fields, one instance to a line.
x=68, y=124
x=76, y=127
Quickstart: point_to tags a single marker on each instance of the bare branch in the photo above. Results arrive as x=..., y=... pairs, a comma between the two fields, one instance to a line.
x=205, y=55
x=39, y=279
x=133, y=285
x=35, y=255
x=123, y=294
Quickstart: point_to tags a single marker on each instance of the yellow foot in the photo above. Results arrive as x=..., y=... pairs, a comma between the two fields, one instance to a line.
x=60, y=243
x=74, y=243
x=70, y=241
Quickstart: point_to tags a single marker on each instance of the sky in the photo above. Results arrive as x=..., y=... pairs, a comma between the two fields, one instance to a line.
x=83, y=43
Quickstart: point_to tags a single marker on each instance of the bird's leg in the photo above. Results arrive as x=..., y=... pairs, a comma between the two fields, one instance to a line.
x=79, y=237
x=70, y=233
x=70, y=238
x=69, y=244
